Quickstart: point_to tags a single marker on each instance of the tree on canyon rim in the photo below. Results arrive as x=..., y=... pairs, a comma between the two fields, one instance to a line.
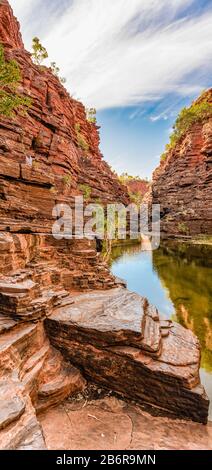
x=39, y=54
x=10, y=77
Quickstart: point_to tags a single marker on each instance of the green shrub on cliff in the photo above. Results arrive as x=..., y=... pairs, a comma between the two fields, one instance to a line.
x=197, y=112
x=86, y=191
x=39, y=53
x=183, y=228
x=91, y=115
x=66, y=180
x=80, y=138
x=10, y=77
x=56, y=71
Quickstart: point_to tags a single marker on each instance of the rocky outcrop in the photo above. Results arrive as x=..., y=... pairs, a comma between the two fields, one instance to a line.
x=33, y=376
x=119, y=342
x=182, y=184
x=137, y=186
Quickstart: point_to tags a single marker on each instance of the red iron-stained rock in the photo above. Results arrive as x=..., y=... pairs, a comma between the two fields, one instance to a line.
x=182, y=184
x=112, y=338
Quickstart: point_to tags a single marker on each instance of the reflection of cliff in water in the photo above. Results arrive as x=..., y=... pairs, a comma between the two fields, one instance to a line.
x=186, y=272
x=121, y=248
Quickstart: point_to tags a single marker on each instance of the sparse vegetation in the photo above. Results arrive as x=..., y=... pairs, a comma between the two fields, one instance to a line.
x=182, y=227
x=80, y=139
x=125, y=178
x=197, y=112
x=35, y=165
x=56, y=71
x=66, y=180
x=39, y=53
x=86, y=191
x=136, y=197
x=10, y=77
x=91, y=115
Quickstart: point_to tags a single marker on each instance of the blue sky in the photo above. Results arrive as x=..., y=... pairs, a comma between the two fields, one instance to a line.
x=137, y=61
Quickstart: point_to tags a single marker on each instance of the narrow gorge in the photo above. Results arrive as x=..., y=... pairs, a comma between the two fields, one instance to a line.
x=66, y=322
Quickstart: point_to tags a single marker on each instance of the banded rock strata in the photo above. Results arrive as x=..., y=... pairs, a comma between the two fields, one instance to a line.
x=182, y=184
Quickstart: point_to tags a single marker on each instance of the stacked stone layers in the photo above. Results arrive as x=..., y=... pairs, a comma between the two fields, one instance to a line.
x=182, y=184
x=118, y=340
x=42, y=163
x=42, y=157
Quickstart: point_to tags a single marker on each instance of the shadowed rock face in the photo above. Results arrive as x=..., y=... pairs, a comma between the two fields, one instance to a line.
x=155, y=363
x=182, y=184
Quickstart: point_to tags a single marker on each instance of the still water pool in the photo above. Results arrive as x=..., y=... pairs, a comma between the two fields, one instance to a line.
x=177, y=278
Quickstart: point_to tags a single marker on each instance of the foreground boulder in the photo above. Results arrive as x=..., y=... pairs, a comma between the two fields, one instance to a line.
x=119, y=342
x=33, y=377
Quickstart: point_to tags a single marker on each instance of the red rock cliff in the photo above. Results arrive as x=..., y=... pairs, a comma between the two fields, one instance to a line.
x=42, y=162
x=182, y=184
x=50, y=135
x=136, y=186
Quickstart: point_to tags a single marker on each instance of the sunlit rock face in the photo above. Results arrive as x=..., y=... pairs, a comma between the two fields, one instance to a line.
x=182, y=184
x=119, y=341
x=47, y=154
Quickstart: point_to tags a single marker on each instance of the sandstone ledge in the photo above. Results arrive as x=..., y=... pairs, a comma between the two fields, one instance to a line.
x=124, y=354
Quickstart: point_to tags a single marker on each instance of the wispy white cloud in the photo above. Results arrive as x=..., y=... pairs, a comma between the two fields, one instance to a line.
x=122, y=52
x=163, y=116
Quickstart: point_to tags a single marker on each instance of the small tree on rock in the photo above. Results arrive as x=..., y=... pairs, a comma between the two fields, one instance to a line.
x=91, y=115
x=10, y=77
x=39, y=53
x=56, y=71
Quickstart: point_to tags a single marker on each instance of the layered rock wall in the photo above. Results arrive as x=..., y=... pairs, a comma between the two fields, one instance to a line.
x=182, y=184
x=47, y=156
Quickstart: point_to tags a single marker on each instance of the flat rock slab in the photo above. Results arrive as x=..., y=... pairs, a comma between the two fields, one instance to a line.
x=12, y=405
x=116, y=338
x=17, y=287
x=112, y=317
x=112, y=424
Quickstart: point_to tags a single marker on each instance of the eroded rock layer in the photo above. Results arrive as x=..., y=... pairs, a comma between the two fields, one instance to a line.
x=47, y=156
x=33, y=376
x=182, y=184
x=119, y=341
x=51, y=154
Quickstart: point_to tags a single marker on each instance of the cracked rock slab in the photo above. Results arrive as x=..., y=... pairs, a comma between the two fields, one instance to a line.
x=115, y=337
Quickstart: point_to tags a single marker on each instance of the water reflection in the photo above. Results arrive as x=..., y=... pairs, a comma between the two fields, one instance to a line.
x=177, y=279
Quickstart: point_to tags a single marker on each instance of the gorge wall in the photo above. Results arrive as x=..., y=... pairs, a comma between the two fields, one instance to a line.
x=182, y=184
x=47, y=156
